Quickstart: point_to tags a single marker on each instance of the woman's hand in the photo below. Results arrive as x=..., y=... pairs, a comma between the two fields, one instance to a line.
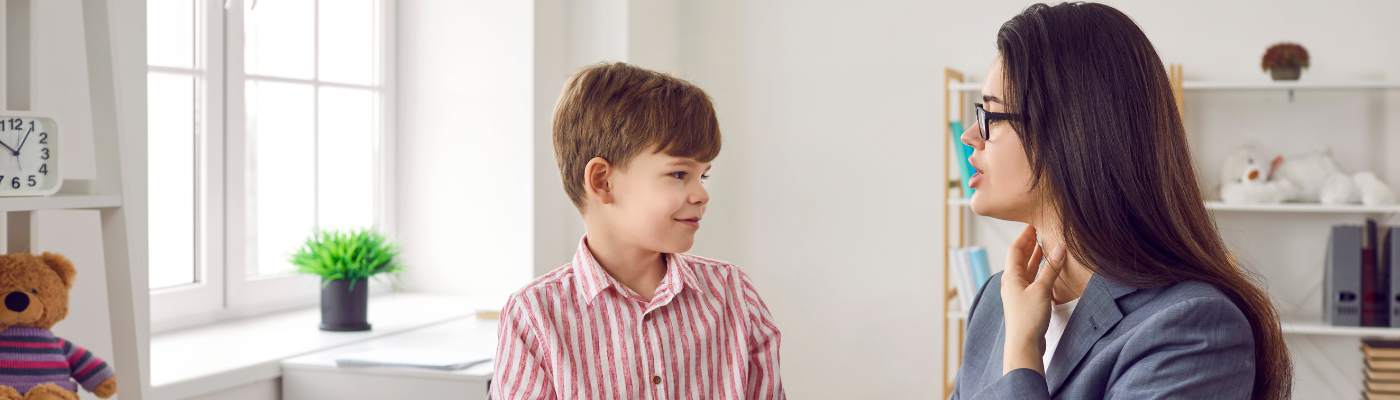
x=1025, y=301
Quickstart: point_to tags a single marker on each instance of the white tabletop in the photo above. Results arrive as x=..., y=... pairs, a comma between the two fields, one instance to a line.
x=468, y=335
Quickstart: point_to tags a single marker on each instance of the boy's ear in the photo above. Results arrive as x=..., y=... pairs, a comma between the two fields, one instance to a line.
x=595, y=180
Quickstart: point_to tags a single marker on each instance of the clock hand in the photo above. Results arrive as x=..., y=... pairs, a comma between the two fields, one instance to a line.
x=21, y=142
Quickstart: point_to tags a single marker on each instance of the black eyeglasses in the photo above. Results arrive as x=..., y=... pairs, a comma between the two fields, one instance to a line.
x=987, y=118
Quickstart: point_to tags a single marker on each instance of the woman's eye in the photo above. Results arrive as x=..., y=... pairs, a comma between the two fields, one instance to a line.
x=678, y=175
x=704, y=177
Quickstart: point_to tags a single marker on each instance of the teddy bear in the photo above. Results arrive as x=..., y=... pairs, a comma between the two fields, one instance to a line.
x=1244, y=178
x=1309, y=178
x=39, y=365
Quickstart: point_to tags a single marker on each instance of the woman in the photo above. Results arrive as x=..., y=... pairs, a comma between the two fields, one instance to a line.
x=1079, y=137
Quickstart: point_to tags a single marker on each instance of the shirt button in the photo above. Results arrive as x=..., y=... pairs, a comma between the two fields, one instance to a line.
x=646, y=317
x=655, y=380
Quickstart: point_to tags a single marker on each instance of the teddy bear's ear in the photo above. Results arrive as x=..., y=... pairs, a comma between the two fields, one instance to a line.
x=61, y=265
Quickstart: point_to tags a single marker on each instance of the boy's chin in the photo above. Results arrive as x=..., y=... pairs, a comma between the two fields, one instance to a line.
x=678, y=243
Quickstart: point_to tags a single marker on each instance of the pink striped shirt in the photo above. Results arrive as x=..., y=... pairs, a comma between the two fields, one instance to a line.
x=576, y=333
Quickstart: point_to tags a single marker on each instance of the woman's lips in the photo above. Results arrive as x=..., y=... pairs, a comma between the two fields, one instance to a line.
x=972, y=182
x=691, y=222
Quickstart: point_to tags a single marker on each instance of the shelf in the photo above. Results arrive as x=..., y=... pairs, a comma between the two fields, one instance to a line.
x=59, y=202
x=1284, y=207
x=1244, y=85
x=1318, y=328
x=1304, y=207
x=1290, y=328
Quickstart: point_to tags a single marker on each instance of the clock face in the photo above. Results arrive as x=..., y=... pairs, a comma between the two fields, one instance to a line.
x=28, y=156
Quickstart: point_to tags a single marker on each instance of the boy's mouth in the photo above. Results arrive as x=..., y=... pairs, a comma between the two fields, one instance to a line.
x=693, y=222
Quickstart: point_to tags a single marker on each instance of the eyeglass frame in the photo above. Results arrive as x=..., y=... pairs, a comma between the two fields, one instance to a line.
x=986, y=118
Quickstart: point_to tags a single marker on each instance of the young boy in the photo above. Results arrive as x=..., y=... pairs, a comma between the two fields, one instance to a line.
x=632, y=317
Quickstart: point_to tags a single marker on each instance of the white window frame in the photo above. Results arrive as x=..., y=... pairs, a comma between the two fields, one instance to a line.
x=206, y=294
x=224, y=289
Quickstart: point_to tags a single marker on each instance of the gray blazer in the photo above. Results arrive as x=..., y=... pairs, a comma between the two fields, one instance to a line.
x=1182, y=341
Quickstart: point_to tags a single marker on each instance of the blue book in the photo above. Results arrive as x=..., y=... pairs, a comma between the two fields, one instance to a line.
x=981, y=269
x=963, y=151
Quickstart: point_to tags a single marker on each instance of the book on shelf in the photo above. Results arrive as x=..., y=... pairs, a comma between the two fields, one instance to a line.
x=981, y=267
x=1380, y=396
x=961, y=275
x=1383, y=364
x=1390, y=242
x=1342, y=276
x=963, y=151
x=1382, y=367
x=1379, y=348
x=1382, y=376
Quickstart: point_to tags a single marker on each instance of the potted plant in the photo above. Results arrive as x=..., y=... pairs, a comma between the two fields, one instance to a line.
x=1285, y=61
x=345, y=260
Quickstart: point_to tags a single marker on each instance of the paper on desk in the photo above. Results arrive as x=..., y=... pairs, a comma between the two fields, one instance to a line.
x=411, y=358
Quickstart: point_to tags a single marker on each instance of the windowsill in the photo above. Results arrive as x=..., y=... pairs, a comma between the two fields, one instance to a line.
x=225, y=355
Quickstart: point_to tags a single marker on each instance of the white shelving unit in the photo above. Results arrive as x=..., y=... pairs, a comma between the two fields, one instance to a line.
x=958, y=208
x=1282, y=207
x=123, y=241
x=1245, y=85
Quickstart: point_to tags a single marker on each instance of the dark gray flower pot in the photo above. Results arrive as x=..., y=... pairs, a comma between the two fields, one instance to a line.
x=1286, y=73
x=344, y=309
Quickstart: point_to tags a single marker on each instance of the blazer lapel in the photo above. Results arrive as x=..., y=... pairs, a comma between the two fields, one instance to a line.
x=1096, y=313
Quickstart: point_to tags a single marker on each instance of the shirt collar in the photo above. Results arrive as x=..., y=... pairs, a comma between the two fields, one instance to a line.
x=591, y=279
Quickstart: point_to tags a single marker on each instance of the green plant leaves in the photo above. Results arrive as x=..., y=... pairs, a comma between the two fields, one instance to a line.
x=350, y=255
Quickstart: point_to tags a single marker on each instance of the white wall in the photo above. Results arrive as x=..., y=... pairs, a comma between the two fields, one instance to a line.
x=827, y=191
x=464, y=170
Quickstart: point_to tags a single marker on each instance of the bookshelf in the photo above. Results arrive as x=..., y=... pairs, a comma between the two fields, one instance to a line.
x=1282, y=207
x=1298, y=326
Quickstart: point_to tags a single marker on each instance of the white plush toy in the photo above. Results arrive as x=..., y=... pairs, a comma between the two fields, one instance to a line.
x=1309, y=178
x=1244, y=178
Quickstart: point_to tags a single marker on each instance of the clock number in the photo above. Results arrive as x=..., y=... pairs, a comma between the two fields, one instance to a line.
x=43, y=138
x=31, y=180
x=16, y=124
x=43, y=169
x=31, y=125
x=46, y=153
x=14, y=183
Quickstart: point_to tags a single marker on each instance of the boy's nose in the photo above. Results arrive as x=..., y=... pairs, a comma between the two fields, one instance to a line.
x=16, y=301
x=700, y=197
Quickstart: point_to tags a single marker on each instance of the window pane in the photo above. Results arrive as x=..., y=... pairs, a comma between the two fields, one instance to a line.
x=170, y=174
x=281, y=172
x=346, y=162
x=280, y=38
x=349, y=41
x=170, y=33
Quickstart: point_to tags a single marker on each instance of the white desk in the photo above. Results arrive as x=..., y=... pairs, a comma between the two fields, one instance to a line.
x=315, y=376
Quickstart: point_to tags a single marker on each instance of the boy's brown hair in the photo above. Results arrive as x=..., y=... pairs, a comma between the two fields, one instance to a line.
x=616, y=111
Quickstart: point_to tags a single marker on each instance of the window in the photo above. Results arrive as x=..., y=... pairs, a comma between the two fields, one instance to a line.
x=268, y=121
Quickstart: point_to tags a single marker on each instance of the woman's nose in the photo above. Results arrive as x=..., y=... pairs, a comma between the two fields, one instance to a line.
x=972, y=136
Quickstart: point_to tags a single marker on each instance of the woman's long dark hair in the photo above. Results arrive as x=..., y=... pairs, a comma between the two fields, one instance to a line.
x=1106, y=141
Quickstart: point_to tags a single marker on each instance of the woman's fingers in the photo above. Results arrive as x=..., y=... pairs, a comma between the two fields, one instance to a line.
x=1033, y=265
x=1016, y=256
x=1046, y=278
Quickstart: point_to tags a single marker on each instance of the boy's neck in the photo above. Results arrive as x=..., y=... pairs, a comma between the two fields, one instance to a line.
x=638, y=269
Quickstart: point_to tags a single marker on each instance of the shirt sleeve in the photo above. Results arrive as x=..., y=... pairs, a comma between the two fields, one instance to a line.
x=521, y=365
x=764, y=380
x=87, y=369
